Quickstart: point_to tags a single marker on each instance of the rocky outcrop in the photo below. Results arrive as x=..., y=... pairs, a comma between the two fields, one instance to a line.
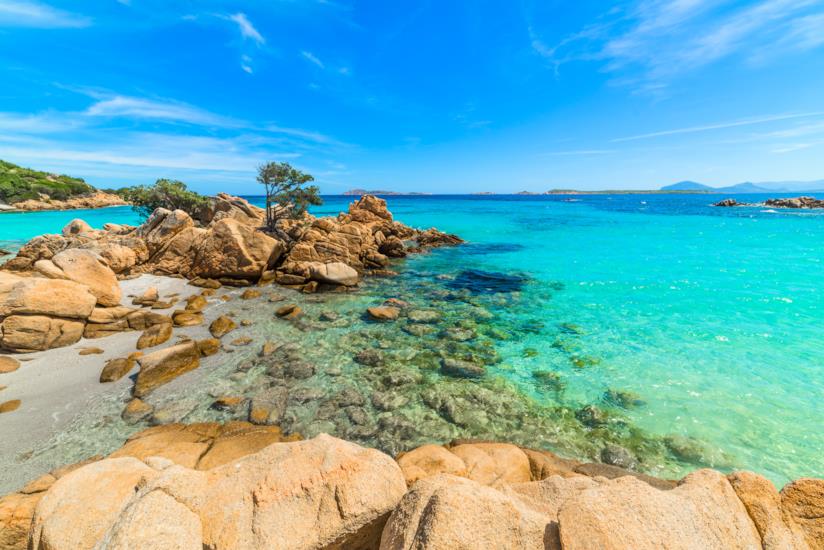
x=98, y=199
x=727, y=203
x=362, y=240
x=795, y=202
x=225, y=243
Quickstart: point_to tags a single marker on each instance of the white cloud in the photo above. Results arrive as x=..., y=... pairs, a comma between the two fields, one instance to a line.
x=719, y=126
x=167, y=110
x=42, y=123
x=32, y=14
x=581, y=153
x=309, y=56
x=654, y=41
x=792, y=147
x=246, y=28
x=246, y=63
x=304, y=134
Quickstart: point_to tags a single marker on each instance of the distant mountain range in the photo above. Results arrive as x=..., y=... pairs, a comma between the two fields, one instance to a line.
x=749, y=187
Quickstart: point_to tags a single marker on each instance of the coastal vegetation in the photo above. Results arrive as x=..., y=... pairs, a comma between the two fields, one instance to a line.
x=286, y=187
x=18, y=184
x=164, y=193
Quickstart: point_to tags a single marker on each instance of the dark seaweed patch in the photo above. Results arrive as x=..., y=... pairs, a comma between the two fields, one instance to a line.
x=482, y=249
x=487, y=282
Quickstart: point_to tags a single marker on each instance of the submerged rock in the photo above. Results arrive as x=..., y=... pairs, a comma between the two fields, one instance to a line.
x=424, y=316
x=616, y=455
x=462, y=369
x=383, y=313
x=478, y=281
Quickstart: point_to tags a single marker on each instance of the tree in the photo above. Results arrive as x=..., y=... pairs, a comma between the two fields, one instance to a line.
x=286, y=187
x=171, y=194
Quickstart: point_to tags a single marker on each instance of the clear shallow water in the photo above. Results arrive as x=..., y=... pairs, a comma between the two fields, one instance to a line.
x=710, y=318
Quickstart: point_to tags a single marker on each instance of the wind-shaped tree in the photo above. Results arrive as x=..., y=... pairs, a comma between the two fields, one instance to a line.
x=286, y=187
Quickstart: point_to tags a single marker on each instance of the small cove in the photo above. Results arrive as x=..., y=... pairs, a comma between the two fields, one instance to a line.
x=685, y=333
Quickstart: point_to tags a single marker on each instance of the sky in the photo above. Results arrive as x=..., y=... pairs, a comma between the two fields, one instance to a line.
x=453, y=96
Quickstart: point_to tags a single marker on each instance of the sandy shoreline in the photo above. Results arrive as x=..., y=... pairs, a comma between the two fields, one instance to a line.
x=57, y=384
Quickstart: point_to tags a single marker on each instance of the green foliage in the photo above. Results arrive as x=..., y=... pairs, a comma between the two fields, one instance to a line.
x=286, y=186
x=19, y=184
x=171, y=194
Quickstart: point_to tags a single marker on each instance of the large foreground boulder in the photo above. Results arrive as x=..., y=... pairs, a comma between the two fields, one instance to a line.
x=78, y=509
x=456, y=513
x=320, y=493
x=803, y=501
x=85, y=267
x=702, y=512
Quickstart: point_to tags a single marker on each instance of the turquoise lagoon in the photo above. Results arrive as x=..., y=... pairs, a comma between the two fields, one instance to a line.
x=708, y=321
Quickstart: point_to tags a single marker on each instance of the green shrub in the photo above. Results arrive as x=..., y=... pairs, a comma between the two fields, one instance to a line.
x=285, y=187
x=19, y=184
x=171, y=194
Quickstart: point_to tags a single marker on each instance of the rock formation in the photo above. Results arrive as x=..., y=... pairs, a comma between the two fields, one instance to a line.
x=62, y=287
x=244, y=486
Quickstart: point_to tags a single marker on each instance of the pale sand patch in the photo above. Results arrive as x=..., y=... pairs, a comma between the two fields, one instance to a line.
x=55, y=385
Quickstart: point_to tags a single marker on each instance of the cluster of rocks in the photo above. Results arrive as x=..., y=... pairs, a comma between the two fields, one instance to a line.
x=794, y=202
x=71, y=295
x=54, y=290
x=241, y=486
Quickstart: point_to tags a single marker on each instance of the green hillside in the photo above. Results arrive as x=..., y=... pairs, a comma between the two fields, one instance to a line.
x=20, y=184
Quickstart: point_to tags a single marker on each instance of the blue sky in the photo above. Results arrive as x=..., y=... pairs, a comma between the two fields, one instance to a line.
x=448, y=96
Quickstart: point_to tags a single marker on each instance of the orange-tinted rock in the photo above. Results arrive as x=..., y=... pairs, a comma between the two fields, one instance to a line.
x=803, y=501
x=702, y=512
x=222, y=326
x=8, y=364
x=162, y=366
x=154, y=336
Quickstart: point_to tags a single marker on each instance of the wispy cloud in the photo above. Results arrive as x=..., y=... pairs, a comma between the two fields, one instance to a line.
x=719, y=126
x=581, y=153
x=165, y=110
x=650, y=42
x=310, y=57
x=247, y=30
x=32, y=14
x=246, y=63
x=43, y=123
x=780, y=150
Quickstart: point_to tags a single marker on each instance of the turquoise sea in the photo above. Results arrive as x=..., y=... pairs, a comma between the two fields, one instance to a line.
x=699, y=326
